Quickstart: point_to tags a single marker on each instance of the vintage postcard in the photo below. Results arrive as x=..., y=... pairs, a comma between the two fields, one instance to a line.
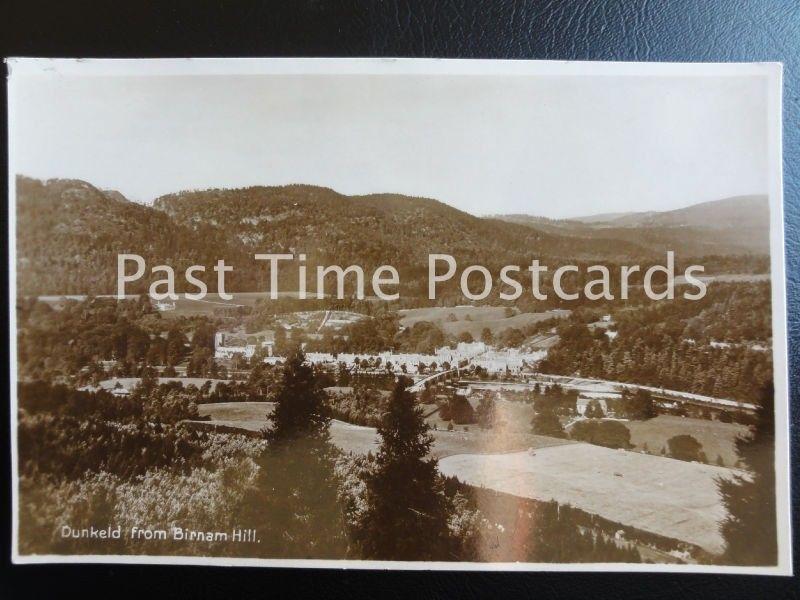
x=408, y=314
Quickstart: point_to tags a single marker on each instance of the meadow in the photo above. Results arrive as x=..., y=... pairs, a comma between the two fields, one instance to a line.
x=252, y=417
x=716, y=437
x=474, y=319
x=667, y=497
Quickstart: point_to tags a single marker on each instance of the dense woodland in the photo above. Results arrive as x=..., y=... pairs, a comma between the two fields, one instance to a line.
x=69, y=234
x=669, y=344
x=57, y=342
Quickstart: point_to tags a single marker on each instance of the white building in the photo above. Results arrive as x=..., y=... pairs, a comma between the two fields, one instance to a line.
x=221, y=351
x=411, y=363
x=474, y=353
x=509, y=360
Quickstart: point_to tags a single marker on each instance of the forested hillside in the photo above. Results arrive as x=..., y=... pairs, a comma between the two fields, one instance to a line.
x=717, y=346
x=332, y=228
x=69, y=234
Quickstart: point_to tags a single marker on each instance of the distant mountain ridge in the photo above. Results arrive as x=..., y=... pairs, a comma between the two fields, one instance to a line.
x=716, y=214
x=69, y=233
x=378, y=228
x=735, y=225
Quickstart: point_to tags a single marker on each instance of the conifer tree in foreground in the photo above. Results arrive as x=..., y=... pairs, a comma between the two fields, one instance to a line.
x=294, y=505
x=407, y=510
x=301, y=407
x=750, y=530
x=556, y=538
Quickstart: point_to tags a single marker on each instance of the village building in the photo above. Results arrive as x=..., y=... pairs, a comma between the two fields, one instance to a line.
x=510, y=360
x=245, y=345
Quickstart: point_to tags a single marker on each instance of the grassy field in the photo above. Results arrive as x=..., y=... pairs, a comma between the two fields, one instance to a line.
x=188, y=308
x=251, y=416
x=668, y=497
x=515, y=416
x=717, y=438
x=490, y=441
x=480, y=317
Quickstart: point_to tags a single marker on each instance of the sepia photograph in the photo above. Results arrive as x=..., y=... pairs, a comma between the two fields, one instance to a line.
x=398, y=313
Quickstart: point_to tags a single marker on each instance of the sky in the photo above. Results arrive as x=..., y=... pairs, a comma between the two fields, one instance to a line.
x=554, y=146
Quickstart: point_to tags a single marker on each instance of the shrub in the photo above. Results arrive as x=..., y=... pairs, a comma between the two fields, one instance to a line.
x=685, y=447
x=725, y=417
x=611, y=434
x=461, y=411
x=546, y=422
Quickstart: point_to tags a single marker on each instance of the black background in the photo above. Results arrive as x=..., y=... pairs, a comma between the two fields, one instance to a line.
x=654, y=30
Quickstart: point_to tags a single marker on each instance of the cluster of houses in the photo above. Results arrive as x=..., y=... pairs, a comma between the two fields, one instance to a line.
x=224, y=350
x=509, y=360
x=512, y=360
x=411, y=363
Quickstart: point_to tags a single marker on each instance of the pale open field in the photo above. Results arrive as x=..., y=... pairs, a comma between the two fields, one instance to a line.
x=664, y=496
x=515, y=416
x=668, y=497
x=480, y=317
x=475, y=441
x=251, y=416
x=717, y=438
x=187, y=308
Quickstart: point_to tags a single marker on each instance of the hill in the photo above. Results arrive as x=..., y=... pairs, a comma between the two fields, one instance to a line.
x=371, y=230
x=717, y=214
x=736, y=225
x=70, y=232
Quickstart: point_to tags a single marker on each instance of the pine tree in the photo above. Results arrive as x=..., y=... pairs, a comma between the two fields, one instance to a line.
x=301, y=407
x=546, y=422
x=407, y=511
x=555, y=537
x=294, y=504
x=750, y=530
